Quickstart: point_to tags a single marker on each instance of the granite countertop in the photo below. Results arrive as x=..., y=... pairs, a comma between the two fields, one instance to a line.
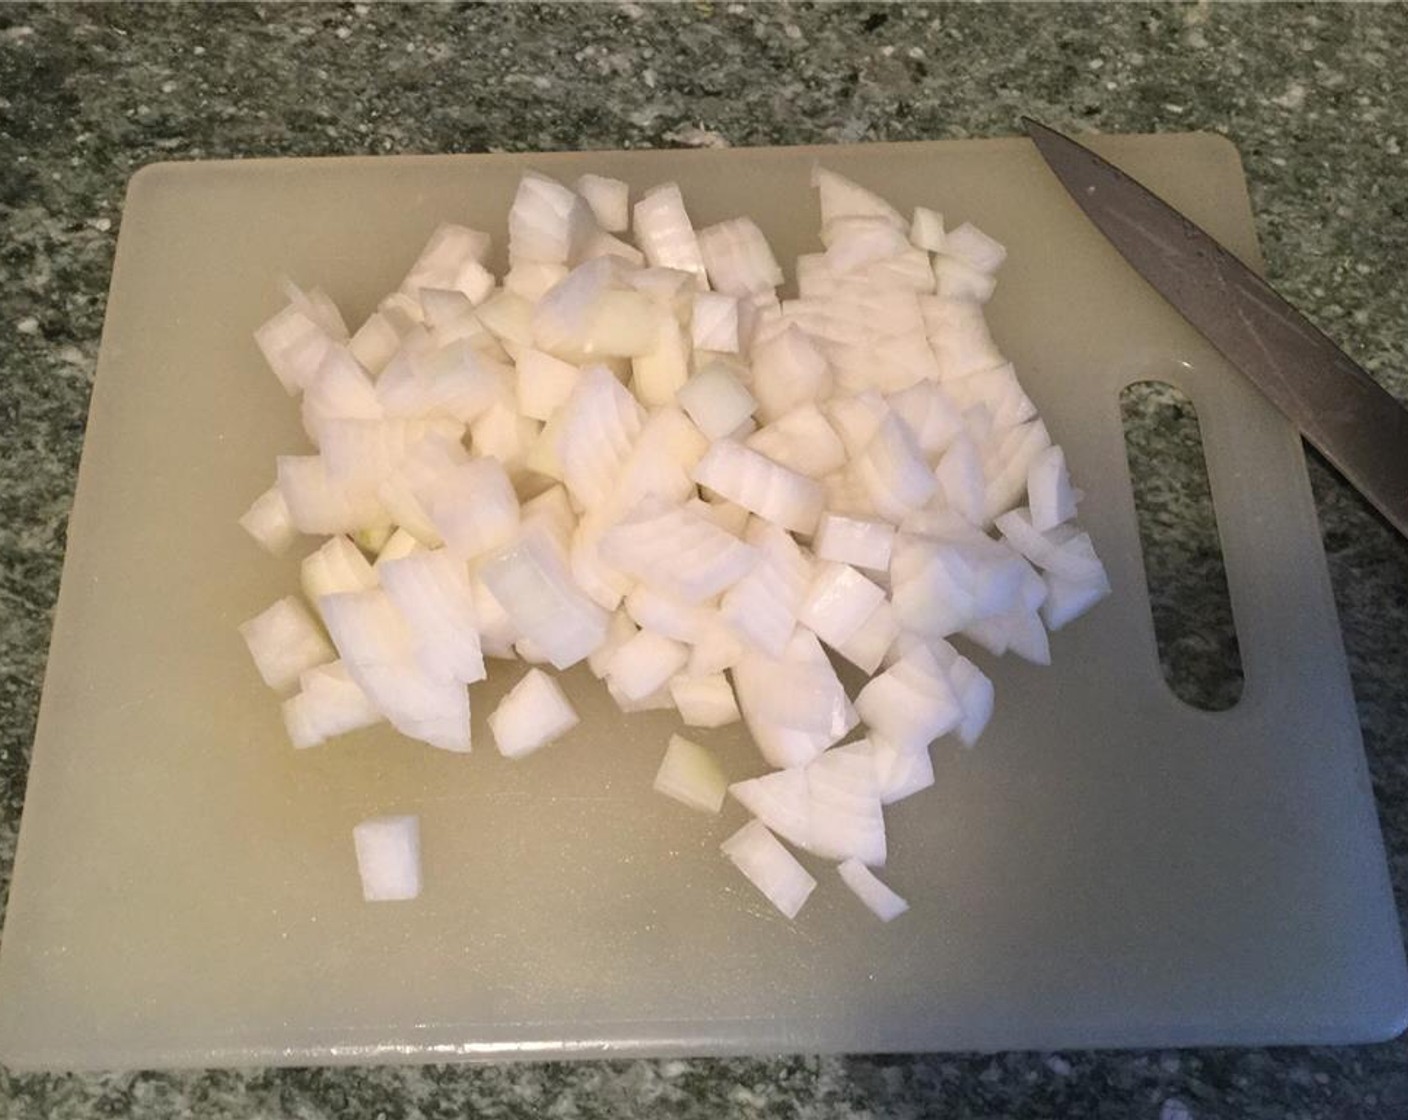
x=1315, y=98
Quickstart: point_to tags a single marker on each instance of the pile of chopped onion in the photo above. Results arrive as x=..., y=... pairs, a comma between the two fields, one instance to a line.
x=642, y=457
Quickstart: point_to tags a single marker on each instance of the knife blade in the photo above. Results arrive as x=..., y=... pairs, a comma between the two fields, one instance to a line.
x=1342, y=411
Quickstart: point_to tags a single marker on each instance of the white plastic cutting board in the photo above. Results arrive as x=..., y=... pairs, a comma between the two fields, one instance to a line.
x=1109, y=867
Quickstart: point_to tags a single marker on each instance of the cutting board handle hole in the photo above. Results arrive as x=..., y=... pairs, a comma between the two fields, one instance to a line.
x=1198, y=650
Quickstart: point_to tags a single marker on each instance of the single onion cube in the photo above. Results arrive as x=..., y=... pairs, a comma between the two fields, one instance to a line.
x=544, y=383
x=269, y=522
x=705, y=701
x=645, y=663
x=329, y=703
x=678, y=550
x=388, y=858
x=284, y=640
x=770, y=867
x=375, y=343
x=452, y=259
x=861, y=541
x=667, y=614
x=531, y=716
x=661, y=372
x=781, y=801
x=853, y=243
x=960, y=476
x=714, y=323
x=842, y=198
x=884, y=903
x=802, y=440
x=337, y=566
x=838, y=603
x=969, y=243
x=432, y=591
x=1049, y=489
x=553, y=510
x=473, y=506
x=927, y=229
x=761, y=486
x=501, y=433
x=716, y=400
x=317, y=504
x=665, y=234
x=294, y=344
x=446, y=308
x=955, y=278
x=788, y=370
x=847, y=819
x=547, y=222
x=301, y=722
x=1069, y=599
x=911, y=703
x=690, y=775
x=609, y=200
x=902, y=772
x=975, y=696
x=534, y=279
x=896, y=477
x=738, y=259
x=717, y=649
x=531, y=581
x=399, y=544
x=867, y=646
x=620, y=629
x=508, y=316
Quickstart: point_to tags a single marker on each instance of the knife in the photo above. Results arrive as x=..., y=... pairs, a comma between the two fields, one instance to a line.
x=1356, y=424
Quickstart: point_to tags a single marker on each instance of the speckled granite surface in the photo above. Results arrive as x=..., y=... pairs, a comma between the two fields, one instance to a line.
x=1315, y=98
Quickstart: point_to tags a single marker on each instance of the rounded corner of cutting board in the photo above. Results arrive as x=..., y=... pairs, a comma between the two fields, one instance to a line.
x=1389, y=1020
x=14, y=1055
x=1222, y=151
x=153, y=177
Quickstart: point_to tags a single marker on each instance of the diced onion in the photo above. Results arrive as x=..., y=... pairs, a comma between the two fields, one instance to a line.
x=644, y=664
x=284, y=641
x=704, y=701
x=689, y=774
x=740, y=474
x=634, y=453
x=861, y=541
x=609, y=200
x=388, y=858
x=715, y=323
x=971, y=244
x=716, y=400
x=926, y=230
x=531, y=716
x=665, y=234
x=879, y=899
x=269, y=522
x=738, y=259
x=328, y=703
x=770, y=867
